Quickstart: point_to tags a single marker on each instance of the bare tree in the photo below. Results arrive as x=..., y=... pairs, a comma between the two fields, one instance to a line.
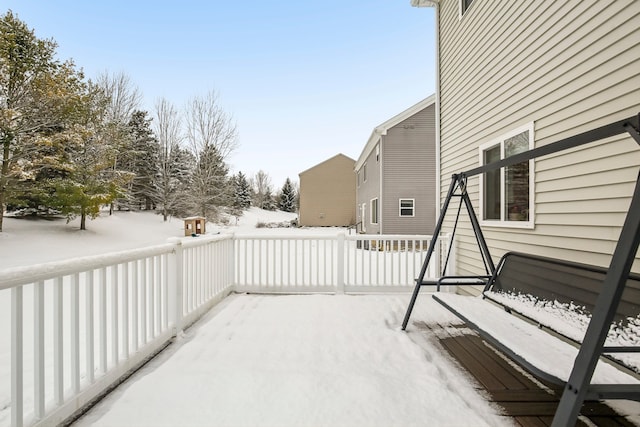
x=174, y=173
x=212, y=137
x=123, y=99
x=124, y=96
x=262, y=191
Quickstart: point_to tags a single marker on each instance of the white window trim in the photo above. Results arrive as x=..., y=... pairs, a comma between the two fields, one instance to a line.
x=363, y=217
x=502, y=222
x=371, y=211
x=400, y=207
x=364, y=172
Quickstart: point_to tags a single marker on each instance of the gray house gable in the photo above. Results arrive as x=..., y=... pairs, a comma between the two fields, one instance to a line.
x=396, y=173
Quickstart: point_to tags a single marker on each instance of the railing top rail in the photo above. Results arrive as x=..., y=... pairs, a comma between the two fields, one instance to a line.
x=201, y=240
x=389, y=237
x=285, y=237
x=18, y=276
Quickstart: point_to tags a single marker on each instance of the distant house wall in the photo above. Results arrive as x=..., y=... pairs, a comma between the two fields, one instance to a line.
x=408, y=163
x=368, y=189
x=327, y=193
x=565, y=68
x=400, y=163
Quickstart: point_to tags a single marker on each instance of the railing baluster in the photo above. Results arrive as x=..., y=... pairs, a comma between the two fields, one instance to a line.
x=89, y=332
x=58, y=337
x=17, y=350
x=75, y=332
x=143, y=301
x=38, y=348
x=152, y=298
x=114, y=316
x=125, y=309
x=135, y=288
x=102, y=312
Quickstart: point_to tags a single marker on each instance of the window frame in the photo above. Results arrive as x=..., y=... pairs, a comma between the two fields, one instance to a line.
x=462, y=9
x=413, y=207
x=371, y=211
x=505, y=222
x=364, y=172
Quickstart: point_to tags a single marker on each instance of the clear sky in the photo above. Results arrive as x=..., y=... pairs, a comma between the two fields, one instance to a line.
x=304, y=80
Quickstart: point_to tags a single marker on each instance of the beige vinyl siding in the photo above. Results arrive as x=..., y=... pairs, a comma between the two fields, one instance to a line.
x=328, y=193
x=408, y=156
x=568, y=67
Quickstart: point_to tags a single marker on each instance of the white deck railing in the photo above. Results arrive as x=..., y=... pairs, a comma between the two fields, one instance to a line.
x=78, y=327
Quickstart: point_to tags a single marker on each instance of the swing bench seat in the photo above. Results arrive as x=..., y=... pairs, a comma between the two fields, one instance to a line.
x=526, y=311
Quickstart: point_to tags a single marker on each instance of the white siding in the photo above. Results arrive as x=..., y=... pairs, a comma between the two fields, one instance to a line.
x=568, y=67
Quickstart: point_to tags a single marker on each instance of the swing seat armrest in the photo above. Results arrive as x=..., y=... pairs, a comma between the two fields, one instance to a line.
x=456, y=280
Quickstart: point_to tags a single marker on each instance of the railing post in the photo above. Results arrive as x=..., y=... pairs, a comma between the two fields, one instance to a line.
x=176, y=285
x=340, y=267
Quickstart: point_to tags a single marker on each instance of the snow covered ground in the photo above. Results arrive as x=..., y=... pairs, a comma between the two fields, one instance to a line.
x=28, y=241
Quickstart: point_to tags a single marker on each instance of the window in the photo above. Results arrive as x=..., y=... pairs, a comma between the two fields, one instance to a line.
x=407, y=207
x=374, y=211
x=377, y=153
x=358, y=178
x=464, y=6
x=364, y=173
x=506, y=194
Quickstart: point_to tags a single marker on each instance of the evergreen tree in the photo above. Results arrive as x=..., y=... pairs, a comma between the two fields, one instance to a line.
x=268, y=203
x=210, y=186
x=242, y=194
x=90, y=179
x=142, y=162
x=212, y=136
x=38, y=94
x=287, y=197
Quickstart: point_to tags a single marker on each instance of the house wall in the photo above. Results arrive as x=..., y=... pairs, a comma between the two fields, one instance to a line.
x=368, y=189
x=568, y=67
x=328, y=193
x=408, y=164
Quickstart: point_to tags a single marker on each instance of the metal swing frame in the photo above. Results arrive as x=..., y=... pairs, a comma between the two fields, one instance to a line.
x=615, y=280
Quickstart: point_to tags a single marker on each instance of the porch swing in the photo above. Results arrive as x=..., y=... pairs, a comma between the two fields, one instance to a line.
x=613, y=279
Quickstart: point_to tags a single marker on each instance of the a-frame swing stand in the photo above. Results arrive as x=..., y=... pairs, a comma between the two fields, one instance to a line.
x=614, y=283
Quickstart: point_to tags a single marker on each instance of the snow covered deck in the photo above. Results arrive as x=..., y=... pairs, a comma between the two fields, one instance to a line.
x=314, y=360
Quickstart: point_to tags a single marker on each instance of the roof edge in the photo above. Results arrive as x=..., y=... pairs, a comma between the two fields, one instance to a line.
x=424, y=3
x=325, y=161
x=382, y=129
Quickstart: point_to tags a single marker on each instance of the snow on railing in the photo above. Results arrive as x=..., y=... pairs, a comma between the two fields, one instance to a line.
x=78, y=327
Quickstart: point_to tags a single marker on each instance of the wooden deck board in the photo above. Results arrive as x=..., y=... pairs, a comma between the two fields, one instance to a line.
x=528, y=401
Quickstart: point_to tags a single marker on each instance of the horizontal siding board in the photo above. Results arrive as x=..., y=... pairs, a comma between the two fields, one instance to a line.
x=408, y=163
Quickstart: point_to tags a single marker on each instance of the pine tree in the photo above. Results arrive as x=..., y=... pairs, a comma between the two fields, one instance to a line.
x=90, y=179
x=287, y=197
x=268, y=203
x=212, y=136
x=242, y=194
x=143, y=162
x=38, y=95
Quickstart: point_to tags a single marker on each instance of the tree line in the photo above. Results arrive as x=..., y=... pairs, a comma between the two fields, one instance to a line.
x=72, y=145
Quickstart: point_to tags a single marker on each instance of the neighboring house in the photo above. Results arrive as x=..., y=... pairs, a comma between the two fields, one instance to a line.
x=328, y=193
x=513, y=75
x=396, y=174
